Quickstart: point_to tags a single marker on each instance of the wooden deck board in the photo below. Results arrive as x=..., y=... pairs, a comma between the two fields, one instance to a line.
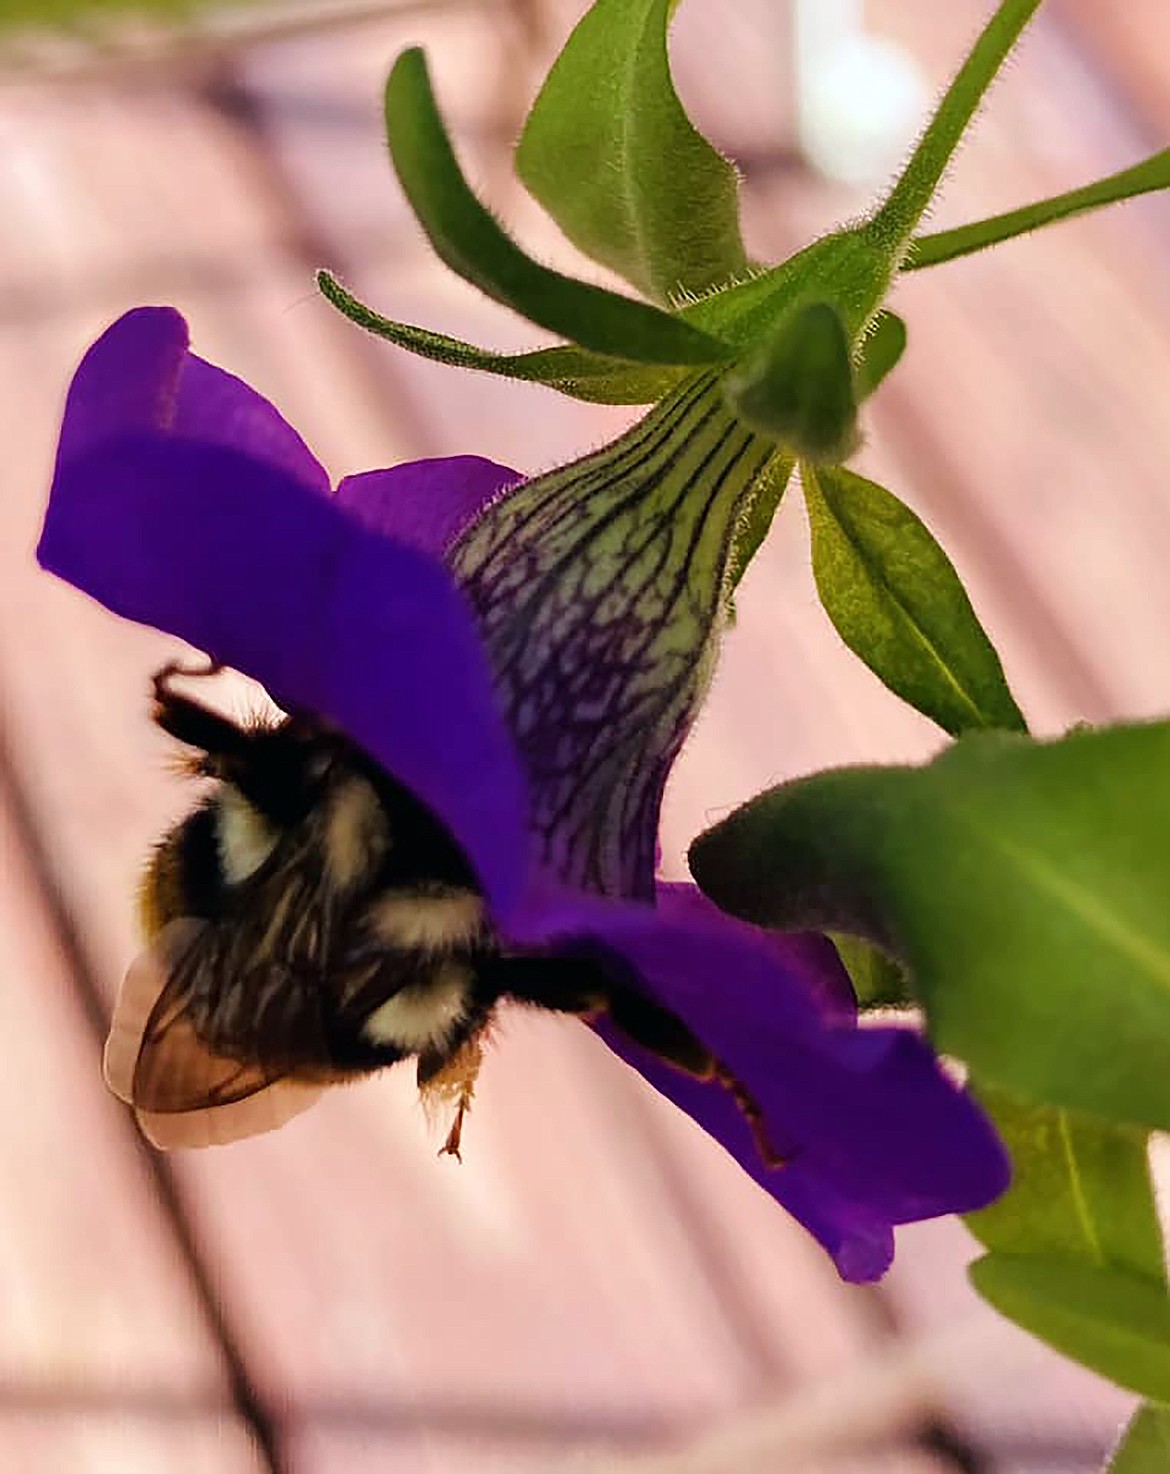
x=92, y=1293
x=1130, y=46
x=437, y=1454
x=116, y=1441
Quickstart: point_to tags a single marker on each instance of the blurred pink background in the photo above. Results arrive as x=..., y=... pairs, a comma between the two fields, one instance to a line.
x=596, y=1288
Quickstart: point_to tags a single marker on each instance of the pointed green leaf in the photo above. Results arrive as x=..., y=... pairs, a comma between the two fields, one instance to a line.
x=1145, y=1448
x=945, y=245
x=899, y=215
x=897, y=603
x=880, y=353
x=577, y=372
x=612, y=156
x=467, y=238
x=1117, y=1324
x=1024, y=884
x=797, y=386
x=736, y=316
x=1081, y=1189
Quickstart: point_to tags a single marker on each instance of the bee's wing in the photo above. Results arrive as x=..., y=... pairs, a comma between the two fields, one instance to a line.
x=183, y=1091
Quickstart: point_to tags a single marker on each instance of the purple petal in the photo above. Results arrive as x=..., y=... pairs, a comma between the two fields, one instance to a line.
x=860, y=1244
x=808, y=957
x=875, y=1131
x=259, y=571
x=140, y=376
x=426, y=504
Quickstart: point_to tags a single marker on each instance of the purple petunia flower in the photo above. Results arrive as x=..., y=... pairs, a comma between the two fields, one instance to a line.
x=526, y=659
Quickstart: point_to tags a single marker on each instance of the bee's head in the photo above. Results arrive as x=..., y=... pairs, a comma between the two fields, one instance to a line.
x=279, y=786
x=271, y=778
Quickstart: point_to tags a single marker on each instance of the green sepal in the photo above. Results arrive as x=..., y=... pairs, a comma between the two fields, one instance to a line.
x=736, y=317
x=899, y=215
x=797, y=386
x=1023, y=884
x=1117, y=1324
x=946, y=245
x=848, y=269
x=473, y=245
x=612, y=156
x=851, y=270
x=757, y=517
x=898, y=604
x=881, y=352
x=595, y=378
x=1145, y=1446
x=573, y=371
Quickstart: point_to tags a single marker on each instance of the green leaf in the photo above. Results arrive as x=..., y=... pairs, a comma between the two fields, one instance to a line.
x=945, y=245
x=1024, y=885
x=797, y=386
x=612, y=156
x=899, y=605
x=577, y=372
x=1115, y=1323
x=467, y=238
x=881, y=352
x=898, y=217
x=1145, y=1449
x=1081, y=1192
x=878, y=981
x=1081, y=1189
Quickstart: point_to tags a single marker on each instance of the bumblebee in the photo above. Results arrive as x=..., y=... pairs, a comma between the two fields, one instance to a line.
x=311, y=922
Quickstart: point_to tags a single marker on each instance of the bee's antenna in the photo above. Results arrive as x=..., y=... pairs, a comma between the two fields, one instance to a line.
x=163, y=677
x=189, y=721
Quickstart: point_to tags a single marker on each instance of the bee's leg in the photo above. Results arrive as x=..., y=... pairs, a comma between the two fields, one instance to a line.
x=189, y=721
x=450, y=1147
x=560, y=984
x=161, y=680
x=663, y=1034
x=753, y=1114
x=448, y=1075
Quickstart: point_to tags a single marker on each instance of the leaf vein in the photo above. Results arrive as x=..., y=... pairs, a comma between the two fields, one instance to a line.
x=882, y=584
x=1096, y=918
x=1078, y=1191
